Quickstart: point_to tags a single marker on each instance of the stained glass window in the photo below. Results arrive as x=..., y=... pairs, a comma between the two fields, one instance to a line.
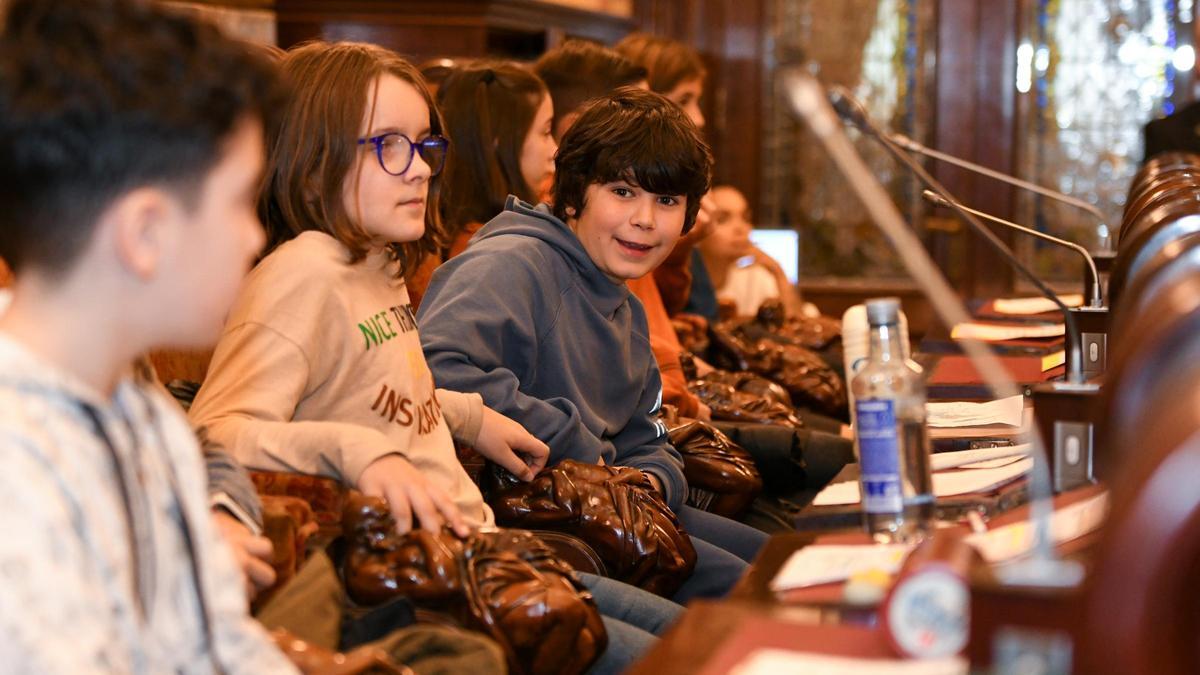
x=1090, y=74
x=878, y=49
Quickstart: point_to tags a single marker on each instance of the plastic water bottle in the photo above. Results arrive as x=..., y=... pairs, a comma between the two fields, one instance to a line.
x=856, y=343
x=890, y=435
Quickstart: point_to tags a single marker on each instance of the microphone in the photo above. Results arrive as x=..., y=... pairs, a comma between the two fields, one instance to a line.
x=1093, y=320
x=809, y=101
x=855, y=112
x=1096, y=299
x=913, y=146
x=1066, y=419
x=849, y=109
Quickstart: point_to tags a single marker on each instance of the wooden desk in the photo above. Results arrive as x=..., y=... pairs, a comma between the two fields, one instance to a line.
x=710, y=635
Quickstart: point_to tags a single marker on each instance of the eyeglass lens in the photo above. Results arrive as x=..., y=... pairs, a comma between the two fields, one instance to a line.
x=396, y=153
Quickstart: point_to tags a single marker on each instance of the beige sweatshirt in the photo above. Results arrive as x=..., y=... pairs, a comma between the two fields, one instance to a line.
x=320, y=370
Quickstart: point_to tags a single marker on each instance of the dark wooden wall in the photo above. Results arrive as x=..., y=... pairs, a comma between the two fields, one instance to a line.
x=729, y=34
x=423, y=29
x=975, y=119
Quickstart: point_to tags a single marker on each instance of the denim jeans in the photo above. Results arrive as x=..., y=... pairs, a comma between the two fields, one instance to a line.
x=737, y=538
x=633, y=619
x=632, y=605
x=724, y=549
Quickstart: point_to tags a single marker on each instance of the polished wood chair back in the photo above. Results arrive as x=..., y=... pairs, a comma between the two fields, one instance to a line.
x=1180, y=256
x=1142, y=599
x=1150, y=233
x=1157, y=192
x=1146, y=348
x=1165, y=161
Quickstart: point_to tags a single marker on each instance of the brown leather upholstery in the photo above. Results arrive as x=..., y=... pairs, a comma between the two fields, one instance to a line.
x=728, y=404
x=326, y=496
x=288, y=522
x=772, y=322
x=614, y=509
x=506, y=583
x=721, y=476
x=805, y=375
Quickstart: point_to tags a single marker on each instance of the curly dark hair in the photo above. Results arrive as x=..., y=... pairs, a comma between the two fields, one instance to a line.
x=99, y=98
x=637, y=136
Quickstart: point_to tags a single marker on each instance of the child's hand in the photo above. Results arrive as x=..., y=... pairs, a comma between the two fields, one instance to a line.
x=408, y=494
x=767, y=261
x=704, y=414
x=500, y=438
x=253, y=554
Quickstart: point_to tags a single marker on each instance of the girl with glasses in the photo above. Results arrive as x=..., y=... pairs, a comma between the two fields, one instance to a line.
x=319, y=369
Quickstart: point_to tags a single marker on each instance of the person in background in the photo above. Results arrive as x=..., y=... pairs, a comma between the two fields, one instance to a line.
x=560, y=345
x=499, y=116
x=676, y=71
x=131, y=146
x=728, y=245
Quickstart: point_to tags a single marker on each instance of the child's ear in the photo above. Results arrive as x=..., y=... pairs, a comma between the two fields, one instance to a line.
x=140, y=224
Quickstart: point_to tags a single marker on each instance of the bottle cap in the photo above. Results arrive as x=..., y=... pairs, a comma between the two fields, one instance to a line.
x=883, y=311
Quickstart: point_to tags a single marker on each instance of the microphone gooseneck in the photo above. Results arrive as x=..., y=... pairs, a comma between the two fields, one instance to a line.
x=913, y=146
x=808, y=100
x=1074, y=358
x=1097, y=299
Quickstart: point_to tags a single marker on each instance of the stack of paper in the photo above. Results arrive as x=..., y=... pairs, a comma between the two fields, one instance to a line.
x=1052, y=361
x=966, y=414
x=1067, y=523
x=775, y=661
x=1027, y=306
x=981, y=458
x=823, y=564
x=993, y=332
x=945, y=484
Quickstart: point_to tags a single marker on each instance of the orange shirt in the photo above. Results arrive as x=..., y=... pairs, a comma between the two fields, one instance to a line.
x=665, y=345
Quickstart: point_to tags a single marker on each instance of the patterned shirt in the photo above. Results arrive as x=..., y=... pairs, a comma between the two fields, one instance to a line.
x=108, y=559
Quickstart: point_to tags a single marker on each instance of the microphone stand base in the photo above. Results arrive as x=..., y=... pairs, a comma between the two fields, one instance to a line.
x=1093, y=339
x=1066, y=419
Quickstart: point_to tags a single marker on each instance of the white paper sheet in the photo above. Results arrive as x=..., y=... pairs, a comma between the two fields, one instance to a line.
x=822, y=564
x=779, y=661
x=945, y=483
x=1067, y=523
x=990, y=332
x=982, y=458
x=1027, y=306
x=968, y=414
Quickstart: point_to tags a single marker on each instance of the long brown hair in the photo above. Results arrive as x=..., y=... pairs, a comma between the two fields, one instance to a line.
x=489, y=108
x=668, y=63
x=312, y=148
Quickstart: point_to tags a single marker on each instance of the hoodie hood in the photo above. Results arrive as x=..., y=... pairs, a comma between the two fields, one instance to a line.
x=520, y=219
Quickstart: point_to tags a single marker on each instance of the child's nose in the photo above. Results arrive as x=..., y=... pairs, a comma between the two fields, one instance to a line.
x=419, y=169
x=643, y=214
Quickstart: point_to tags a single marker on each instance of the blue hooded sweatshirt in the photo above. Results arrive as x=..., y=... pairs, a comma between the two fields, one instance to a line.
x=525, y=318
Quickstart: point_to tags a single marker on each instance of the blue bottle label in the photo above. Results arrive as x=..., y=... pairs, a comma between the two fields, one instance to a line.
x=879, y=455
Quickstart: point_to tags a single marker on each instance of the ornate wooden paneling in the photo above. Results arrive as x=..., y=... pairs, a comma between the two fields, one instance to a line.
x=975, y=120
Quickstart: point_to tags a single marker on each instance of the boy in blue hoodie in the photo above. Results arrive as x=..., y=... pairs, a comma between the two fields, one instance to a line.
x=536, y=317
